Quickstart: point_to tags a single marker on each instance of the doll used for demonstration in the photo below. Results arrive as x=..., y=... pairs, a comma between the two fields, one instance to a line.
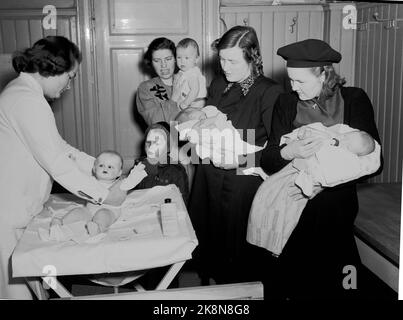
x=98, y=218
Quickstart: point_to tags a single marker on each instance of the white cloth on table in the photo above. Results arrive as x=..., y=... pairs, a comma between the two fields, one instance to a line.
x=274, y=214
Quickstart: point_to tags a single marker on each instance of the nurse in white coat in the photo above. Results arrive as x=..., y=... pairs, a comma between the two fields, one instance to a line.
x=33, y=154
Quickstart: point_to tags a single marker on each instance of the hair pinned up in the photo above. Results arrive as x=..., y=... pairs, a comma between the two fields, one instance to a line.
x=245, y=38
x=50, y=56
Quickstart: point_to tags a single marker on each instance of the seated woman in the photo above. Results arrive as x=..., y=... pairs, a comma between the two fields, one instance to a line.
x=159, y=164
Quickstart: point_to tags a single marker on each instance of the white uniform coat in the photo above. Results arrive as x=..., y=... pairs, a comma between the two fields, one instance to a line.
x=32, y=154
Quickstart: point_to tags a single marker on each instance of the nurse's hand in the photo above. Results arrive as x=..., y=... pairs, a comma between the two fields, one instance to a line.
x=116, y=196
x=302, y=149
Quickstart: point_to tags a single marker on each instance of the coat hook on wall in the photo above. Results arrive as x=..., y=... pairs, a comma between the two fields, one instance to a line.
x=390, y=22
x=360, y=25
x=245, y=22
x=294, y=23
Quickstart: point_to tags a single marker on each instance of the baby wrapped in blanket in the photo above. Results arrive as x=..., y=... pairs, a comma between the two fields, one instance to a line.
x=347, y=154
x=215, y=137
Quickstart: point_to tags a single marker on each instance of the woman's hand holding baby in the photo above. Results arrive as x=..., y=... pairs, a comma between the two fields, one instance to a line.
x=301, y=148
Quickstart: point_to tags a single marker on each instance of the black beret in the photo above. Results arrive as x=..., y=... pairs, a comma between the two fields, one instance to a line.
x=309, y=53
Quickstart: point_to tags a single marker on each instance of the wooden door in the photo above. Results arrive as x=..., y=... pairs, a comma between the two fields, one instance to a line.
x=21, y=24
x=123, y=30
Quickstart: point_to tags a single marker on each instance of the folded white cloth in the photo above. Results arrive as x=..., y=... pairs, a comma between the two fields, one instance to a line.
x=75, y=231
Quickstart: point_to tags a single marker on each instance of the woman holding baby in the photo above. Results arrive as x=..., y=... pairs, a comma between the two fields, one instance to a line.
x=154, y=97
x=222, y=195
x=33, y=152
x=321, y=253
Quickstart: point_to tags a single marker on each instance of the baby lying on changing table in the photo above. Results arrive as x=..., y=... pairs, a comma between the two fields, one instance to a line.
x=107, y=170
x=346, y=154
x=215, y=137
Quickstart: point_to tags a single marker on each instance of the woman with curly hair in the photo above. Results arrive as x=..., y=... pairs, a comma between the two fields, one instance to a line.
x=33, y=152
x=221, y=197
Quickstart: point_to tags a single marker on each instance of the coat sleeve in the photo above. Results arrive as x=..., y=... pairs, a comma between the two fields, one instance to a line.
x=362, y=118
x=153, y=109
x=267, y=102
x=362, y=114
x=35, y=124
x=281, y=123
x=84, y=161
x=180, y=179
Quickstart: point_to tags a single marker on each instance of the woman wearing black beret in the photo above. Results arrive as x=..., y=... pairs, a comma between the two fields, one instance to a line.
x=321, y=253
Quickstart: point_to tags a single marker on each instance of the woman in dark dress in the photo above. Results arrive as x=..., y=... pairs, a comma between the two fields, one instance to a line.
x=320, y=259
x=221, y=198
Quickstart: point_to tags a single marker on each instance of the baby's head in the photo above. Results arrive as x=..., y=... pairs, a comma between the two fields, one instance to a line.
x=187, y=54
x=108, y=166
x=358, y=142
x=190, y=113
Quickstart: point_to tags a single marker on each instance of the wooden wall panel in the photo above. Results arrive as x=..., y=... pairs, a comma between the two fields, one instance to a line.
x=19, y=30
x=128, y=138
x=148, y=16
x=379, y=71
x=275, y=27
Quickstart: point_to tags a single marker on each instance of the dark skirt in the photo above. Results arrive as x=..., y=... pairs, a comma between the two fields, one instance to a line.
x=219, y=210
x=320, y=259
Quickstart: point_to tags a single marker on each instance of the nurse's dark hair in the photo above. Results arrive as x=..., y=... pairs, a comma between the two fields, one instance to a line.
x=158, y=44
x=245, y=38
x=332, y=80
x=50, y=56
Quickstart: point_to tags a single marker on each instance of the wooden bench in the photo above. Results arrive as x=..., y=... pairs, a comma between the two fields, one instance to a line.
x=236, y=291
x=377, y=229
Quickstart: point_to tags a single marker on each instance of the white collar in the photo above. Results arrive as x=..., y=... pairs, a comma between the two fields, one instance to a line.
x=31, y=81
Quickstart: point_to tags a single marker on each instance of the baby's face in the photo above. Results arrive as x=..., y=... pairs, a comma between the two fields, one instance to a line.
x=186, y=58
x=107, y=167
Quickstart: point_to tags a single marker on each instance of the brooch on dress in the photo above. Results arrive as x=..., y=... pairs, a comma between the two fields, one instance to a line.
x=160, y=92
x=245, y=85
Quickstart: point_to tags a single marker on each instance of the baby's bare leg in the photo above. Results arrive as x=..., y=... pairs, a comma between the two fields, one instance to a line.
x=77, y=214
x=101, y=221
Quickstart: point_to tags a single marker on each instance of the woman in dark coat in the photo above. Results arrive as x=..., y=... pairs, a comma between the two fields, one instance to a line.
x=221, y=197
x=320, y=259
